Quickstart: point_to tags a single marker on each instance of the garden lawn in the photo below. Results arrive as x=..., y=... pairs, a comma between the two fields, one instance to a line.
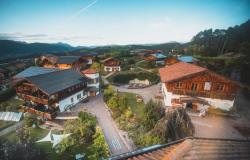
x=36, y=134
x=136, y=108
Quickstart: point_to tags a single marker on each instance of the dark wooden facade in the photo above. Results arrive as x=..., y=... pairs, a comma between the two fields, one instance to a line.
x=78, y=65
x=204, y=84
x=111, y=62
x=48, y=104
x=51, y=62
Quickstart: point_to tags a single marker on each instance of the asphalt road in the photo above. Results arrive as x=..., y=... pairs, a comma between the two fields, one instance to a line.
x=117, y=143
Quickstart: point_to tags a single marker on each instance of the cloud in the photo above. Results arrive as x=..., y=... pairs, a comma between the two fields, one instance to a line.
x=30, y=38
x=20, y=36
x=83, y=9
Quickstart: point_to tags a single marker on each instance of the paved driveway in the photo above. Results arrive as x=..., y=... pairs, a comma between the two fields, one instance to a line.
x=217, y=127
x=147, y=93
x=117, y=143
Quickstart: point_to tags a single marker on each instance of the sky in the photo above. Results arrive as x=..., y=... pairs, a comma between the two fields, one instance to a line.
x=105, y=22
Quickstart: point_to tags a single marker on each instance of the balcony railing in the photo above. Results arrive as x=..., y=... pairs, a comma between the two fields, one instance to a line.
x=45, y=115
x=28, y=97
x=204, y=94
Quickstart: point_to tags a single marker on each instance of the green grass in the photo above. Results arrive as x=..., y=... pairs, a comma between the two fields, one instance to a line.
x=136, y=108
x=36, y=134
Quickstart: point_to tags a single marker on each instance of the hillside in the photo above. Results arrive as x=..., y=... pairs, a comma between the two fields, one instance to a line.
x=12, y=49
x=226, y=51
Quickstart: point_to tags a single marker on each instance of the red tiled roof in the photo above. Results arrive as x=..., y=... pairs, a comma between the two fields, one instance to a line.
x=111, y=62
x=89, y=71
x=192, y=148
x=179, y=70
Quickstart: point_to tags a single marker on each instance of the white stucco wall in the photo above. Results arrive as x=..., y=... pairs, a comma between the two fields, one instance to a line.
x=110, y=69
x=90, y=61
x=94, y=76
x=63, y=104
x=217, y=103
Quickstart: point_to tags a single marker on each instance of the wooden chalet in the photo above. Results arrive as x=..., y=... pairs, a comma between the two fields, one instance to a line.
x=46, y=91
x=150, y=58
x=157, y=58
x=111, y=65
x=48, y=61
x=171, y=60
x=182, y=80
x=71, y=62
x=65, y=62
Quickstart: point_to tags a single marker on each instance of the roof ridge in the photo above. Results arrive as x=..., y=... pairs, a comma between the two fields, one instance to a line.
x=60, y=70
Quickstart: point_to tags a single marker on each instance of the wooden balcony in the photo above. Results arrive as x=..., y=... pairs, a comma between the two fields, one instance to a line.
x=206, y=94
x=28, y=97
x=45, y=115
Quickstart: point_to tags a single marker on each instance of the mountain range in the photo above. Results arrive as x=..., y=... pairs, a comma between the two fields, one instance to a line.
x=13, y=49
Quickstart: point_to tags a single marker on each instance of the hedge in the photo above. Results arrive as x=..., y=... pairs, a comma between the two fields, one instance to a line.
x=124, y=78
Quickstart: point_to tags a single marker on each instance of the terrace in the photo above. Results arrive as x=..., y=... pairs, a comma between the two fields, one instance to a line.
x=38, y=109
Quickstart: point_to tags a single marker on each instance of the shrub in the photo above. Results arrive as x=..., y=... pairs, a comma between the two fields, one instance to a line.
x=175, y=125
x=29, y=120
x=108, y=93
x=153, y=111
x=125, y=77
x=7, y=94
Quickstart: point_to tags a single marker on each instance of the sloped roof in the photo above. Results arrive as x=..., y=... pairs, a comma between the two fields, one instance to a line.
x=187, y=59
x=34, y=71
x=159, y=55
x=179, y=70
x=57, y=81
x=110, y=58
x=192, y=149
x=67, y=59
x=89, y=71
x=111, y=61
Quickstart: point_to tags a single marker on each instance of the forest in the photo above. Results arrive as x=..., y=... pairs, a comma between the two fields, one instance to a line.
x=226, y=51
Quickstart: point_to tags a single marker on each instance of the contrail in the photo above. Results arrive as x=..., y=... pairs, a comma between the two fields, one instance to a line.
x=83, y=9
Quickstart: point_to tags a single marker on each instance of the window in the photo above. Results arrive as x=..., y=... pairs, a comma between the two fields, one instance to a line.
x=72, y=100
x=97, y=80
x=178, y=85
x=207, y=86
x=194, y=86
x=79, y=96
x=219, y=87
